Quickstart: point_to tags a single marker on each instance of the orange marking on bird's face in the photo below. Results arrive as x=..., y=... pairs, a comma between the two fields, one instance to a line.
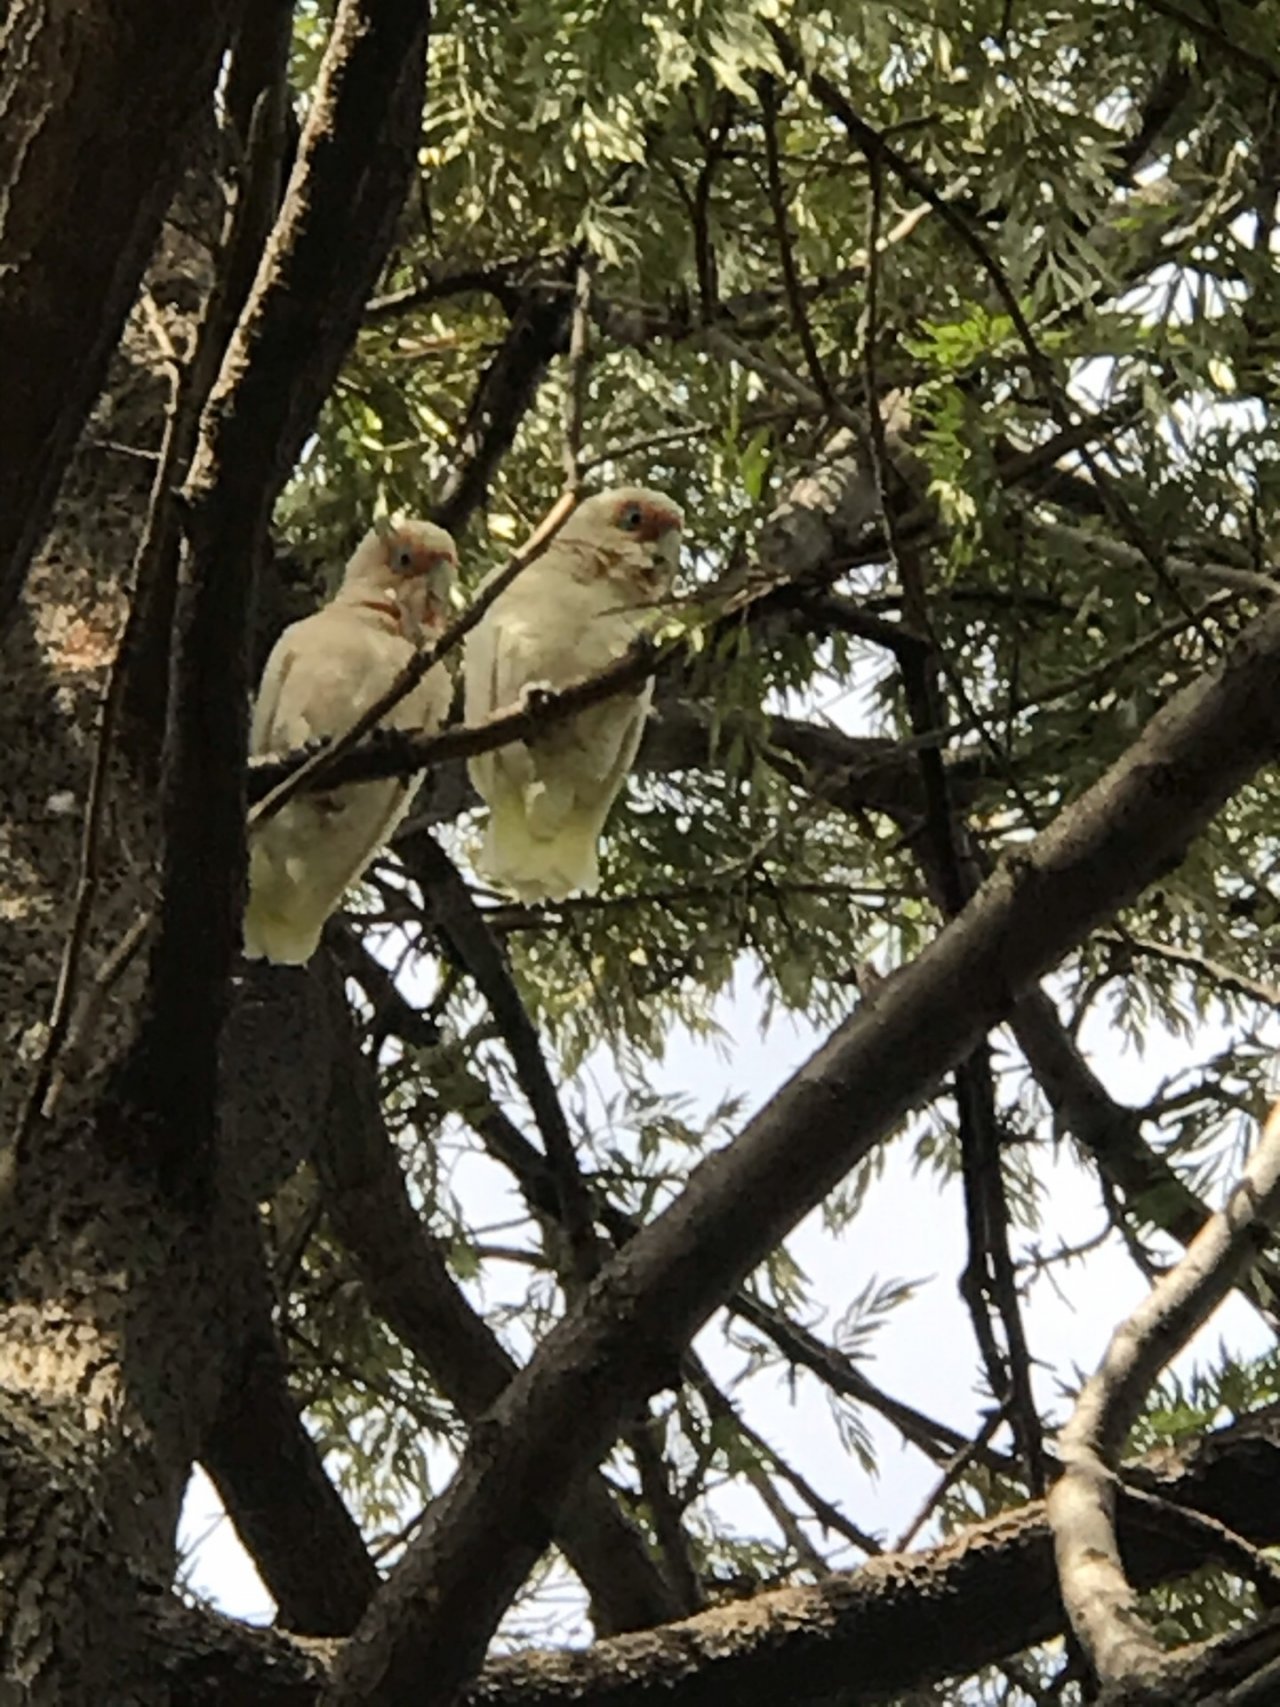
x=643, y=520
x=409, y=556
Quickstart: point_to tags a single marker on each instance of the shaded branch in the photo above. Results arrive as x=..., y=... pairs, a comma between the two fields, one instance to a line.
x=349, y=183
x=258, y=88
x=987, y=1284
x=472, y=944
x=142, y=656
x=504, y=394
x=858, y=1637
x=270, y=1477
x=800, y=1346
x=409, y=1285
x=1227, y=44
x=1112, y=1134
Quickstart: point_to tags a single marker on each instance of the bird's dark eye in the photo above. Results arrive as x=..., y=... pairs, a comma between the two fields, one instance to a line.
x=403, y=559
x=630, y=517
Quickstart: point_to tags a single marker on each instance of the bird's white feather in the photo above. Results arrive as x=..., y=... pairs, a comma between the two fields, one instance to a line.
x=321, y=675
x=560, y=620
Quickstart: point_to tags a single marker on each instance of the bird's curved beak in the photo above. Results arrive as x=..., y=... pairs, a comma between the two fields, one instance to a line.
x=410, y=625
x=666, y=551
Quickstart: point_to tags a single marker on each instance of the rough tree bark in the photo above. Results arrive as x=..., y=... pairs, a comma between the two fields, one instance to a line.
x=128, y=1307
x=86, y=173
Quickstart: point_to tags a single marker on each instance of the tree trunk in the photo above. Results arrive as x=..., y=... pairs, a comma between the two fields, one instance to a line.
x=120, y=1315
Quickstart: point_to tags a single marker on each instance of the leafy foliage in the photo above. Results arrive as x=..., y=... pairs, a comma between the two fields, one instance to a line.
x=1108, y=168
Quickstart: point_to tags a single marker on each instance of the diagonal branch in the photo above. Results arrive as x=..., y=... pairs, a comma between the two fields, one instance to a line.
x=408, y=1283
x=624, y=1339
x=270, y=1477
x=858, y=1637
x=333, y=232
x=504, y=395
x=987, y=1284
x=936, y=1440
x=472, y=943
x=1095, y=1590
x=1153, y=1189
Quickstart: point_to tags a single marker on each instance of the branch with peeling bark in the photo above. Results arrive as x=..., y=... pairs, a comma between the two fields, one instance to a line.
x=1095, y=1589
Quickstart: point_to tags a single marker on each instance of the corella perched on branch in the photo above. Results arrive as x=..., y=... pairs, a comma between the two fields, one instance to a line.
x=323, y=672
x=574, y=610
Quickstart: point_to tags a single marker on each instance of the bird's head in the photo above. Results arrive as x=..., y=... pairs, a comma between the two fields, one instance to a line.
x=404, y=572
x=631, y=537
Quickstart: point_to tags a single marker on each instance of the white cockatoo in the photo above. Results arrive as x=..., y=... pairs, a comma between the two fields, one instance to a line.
x=322, y=673
x=571, y=612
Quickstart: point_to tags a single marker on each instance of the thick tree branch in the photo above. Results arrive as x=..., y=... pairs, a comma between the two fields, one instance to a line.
x=348, y=185
x=624, y=1338
x=258, y=89
x=408, y=1283
x=857, y=1638
x=269, y=1475
x=86, y=173
x=508, y=1145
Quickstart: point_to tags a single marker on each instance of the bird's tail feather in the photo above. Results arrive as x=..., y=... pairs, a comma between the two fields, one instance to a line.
x=275, y=927
x=541, y=867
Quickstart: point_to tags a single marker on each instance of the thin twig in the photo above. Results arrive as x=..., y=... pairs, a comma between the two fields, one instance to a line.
x=875, y=143
x=786, y=254
x=970, y=1452
x=989, y=1279
x=803, y=1348
x=112, y=701
x=90, y=1005
x=721, y=1408
x=467, y=935
x=1228, y=44
x=575, y=387
x=665, y=1513
x=319, y=764
x=1256, y=989
x=398, y=752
